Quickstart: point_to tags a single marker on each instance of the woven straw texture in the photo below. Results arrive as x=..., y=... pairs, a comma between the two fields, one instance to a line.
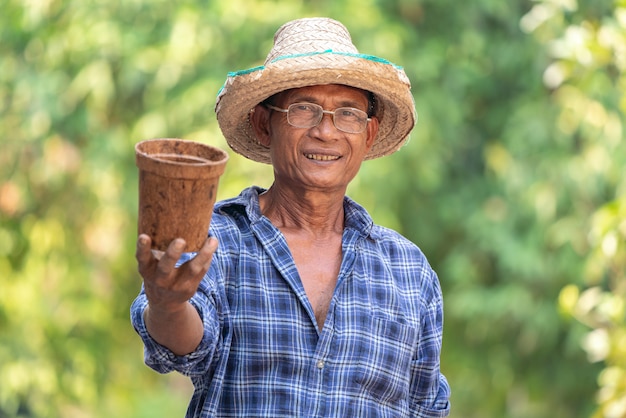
x=316, y=51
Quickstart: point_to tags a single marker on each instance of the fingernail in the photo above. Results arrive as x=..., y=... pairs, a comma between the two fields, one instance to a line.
x=179, y=245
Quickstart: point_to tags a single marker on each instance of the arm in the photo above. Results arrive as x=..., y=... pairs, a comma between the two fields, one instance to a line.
x=430, y=389
x=170, y=319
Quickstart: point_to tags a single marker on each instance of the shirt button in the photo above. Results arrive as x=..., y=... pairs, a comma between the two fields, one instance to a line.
x=320, y=364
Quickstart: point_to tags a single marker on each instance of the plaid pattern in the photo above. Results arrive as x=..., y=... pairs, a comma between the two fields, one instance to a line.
x=262, y=354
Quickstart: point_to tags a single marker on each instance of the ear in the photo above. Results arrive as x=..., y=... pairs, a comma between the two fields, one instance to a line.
x=372, y=131
x=260, y=121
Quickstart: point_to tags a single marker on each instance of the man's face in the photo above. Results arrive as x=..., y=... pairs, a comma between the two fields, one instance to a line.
x=321, y=156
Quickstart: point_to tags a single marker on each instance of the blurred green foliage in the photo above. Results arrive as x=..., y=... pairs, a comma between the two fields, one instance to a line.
x=513, y=184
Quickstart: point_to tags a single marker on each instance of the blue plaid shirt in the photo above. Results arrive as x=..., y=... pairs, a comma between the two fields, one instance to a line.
x=262, y=354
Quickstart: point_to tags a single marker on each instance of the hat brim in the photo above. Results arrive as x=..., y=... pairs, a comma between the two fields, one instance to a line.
x=243, y=90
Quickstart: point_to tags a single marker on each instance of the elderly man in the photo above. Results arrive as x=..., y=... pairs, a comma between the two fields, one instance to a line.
x=298, y=305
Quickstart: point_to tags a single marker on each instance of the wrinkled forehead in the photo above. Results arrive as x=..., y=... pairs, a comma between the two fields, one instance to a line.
x=339, y=92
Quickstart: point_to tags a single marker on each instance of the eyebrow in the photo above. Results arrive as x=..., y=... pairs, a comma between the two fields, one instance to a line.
x=345, y=103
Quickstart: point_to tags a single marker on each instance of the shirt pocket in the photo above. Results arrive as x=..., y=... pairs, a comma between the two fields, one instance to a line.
x=385, y=361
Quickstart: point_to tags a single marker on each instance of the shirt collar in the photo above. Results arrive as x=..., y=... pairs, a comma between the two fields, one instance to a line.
x=356, y=216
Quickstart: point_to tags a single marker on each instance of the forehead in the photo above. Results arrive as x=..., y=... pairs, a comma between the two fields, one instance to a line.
x=324, y=92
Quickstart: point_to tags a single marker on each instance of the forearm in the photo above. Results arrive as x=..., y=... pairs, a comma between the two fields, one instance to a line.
x=180, y=331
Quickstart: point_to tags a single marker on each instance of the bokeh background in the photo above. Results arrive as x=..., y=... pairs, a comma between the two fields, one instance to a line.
x=513, y=184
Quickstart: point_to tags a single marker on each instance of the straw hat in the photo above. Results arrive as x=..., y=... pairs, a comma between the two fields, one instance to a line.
x=315, y=51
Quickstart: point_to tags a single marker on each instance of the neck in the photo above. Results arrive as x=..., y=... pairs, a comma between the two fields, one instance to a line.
x=317, y=212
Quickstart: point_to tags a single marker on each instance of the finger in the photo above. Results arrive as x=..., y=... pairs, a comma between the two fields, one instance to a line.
x=168, y=261
x=202, y=261
x=143, y=253
x=208, y=249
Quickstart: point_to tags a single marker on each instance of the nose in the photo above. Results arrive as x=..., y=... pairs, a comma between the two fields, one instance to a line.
x=326, y=126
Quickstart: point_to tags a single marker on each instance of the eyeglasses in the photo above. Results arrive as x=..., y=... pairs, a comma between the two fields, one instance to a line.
x=308, y=115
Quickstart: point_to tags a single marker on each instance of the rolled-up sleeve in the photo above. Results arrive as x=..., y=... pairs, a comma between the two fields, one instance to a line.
x=431, y=391
x=163, y=360
x=440, y=406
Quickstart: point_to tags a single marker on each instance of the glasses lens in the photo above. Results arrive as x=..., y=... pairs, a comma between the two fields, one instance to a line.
x=349, y=119
x=304, y=115
x=308, y=115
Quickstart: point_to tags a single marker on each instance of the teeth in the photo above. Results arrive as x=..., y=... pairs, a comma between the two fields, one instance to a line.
x=318, y=157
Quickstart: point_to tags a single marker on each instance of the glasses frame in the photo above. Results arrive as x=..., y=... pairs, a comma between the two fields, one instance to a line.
x=323, y=111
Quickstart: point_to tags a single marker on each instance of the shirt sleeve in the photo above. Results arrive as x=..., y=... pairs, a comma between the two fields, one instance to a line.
x=163, y=360
x=430, y=391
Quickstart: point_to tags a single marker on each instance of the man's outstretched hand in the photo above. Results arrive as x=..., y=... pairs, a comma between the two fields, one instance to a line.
x=170, y=319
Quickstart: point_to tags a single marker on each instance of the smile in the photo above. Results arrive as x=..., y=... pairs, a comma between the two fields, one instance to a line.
x=319, y=157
